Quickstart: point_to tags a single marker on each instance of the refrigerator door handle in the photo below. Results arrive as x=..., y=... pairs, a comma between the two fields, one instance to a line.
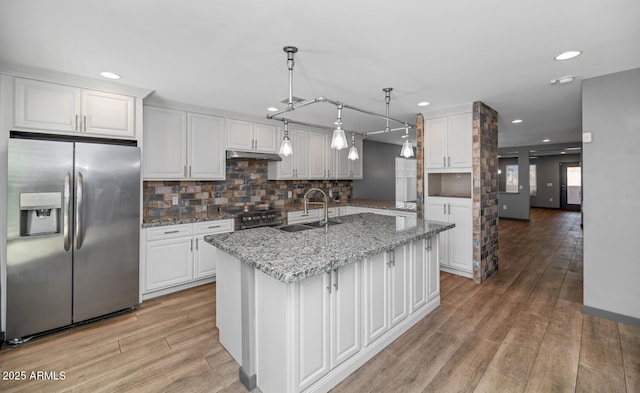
x=79, y=190
x=67, y=212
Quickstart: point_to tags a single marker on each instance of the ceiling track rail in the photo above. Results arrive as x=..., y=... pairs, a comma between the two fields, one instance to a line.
x=291, y=106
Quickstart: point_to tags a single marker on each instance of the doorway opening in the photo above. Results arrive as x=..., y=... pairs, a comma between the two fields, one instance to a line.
x=571, y=185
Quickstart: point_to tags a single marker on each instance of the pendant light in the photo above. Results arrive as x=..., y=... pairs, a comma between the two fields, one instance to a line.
x=285, y=147
x=407, y=148
x=353, y=152
x=339, y=140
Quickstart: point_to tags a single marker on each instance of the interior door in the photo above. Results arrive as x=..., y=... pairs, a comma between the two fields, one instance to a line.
x=106, y=244
x=571, y=186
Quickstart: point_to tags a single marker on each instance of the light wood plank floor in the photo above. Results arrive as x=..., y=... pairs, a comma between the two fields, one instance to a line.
x=521, y=331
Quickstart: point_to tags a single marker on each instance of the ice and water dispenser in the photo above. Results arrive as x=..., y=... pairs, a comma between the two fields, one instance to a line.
x=40, y=213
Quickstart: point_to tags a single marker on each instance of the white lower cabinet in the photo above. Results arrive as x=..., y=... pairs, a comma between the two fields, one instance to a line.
x=176, y=256
x=386, y=297
x=456, y=245
x=327, y=320
x=424, y=273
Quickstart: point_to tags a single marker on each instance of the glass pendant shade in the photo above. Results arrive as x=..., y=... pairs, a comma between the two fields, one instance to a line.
x=353, y=153
x=407, y=149
x=285, y=147
x=339, y=140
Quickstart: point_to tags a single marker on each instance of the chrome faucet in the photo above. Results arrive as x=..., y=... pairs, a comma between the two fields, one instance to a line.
x=324, y=204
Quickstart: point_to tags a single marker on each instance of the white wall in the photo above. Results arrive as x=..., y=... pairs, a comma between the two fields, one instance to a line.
x=611, y=190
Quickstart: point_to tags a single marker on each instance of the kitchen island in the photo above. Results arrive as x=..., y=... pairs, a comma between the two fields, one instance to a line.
x=300, y=311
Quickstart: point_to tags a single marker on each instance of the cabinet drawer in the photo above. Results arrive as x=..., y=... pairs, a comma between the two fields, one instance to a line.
x=216, y=226
x=169, y=231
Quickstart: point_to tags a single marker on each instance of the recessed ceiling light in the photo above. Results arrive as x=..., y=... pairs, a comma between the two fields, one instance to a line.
x=570, y=54
x=546, y=140
x=423, y=103
x=109, y=75
x=563, y=152
x=532, y=151
x=272, y=109
x=573, y=148
x=516, y=121
x=563, y=79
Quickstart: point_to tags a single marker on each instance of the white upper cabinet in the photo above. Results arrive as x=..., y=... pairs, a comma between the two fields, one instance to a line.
x=356, y=166
x=316, y=156
x=206, y=141
x=107, y=113
x=60, y=108
x=181, y=145
x=448, y=141
x=248, y=136
x=165, y=143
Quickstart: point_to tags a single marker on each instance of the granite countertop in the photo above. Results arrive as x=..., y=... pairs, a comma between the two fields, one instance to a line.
x=293, y=256
x=222, y=214
x=177, y=221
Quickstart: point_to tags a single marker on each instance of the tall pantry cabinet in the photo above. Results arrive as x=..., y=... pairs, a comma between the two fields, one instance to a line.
x=448, y=184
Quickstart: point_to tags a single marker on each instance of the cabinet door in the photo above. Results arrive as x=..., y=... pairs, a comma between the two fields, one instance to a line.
x=317, y=168
x=342, y=168
x=46, y=106
x=108, y=113
x=301, y=155
x=345, y=313
x=240, y=135
x=311, y=316
x=266, y=138
x=460, y=237
x=376, y=314
x=165, y=143
x=435, y=143
x=206, y=152
x=168, y=262
x=398, y=309
x=418, y=274
x=356, y=166
x=437, y=211
x=204, y=258
x=459, y=141
x=433, y=270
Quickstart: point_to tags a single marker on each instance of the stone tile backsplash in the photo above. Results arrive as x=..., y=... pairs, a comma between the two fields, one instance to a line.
x=246, y=184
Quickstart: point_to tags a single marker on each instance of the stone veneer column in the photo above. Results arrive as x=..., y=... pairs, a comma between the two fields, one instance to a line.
x=420, y=165
x=485, y=191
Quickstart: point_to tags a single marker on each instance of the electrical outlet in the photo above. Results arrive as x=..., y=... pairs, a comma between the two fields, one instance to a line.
x=290, y=194
x=174, y=200
x=549, y=184
x=504, y=207
x=550, y=199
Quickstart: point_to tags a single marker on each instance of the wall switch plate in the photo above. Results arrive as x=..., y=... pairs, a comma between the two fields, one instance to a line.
x=549, y=184
x=504, y=207
x=521, y=186
x=174, y=200
x=586, y=137
x=550, y=199
x=290, y=194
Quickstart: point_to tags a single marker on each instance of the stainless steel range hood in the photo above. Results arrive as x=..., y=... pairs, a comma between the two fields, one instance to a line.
x=252, y=155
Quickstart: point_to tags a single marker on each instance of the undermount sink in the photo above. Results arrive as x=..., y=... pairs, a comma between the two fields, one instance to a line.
x=317, y=224
x=294, y=228
x=305, y=226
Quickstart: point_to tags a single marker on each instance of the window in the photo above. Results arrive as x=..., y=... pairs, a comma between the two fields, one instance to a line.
x=533, y=182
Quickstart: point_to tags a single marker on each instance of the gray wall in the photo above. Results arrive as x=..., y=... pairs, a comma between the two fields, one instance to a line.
x=379, y=165
x=548, y=171
x=611, y=197
x=516, y=205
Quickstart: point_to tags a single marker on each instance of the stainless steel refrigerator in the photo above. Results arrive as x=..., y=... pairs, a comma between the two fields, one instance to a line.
x=72, y=233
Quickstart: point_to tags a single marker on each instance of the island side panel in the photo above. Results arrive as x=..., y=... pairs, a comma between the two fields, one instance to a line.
x=273, y=334
x=228, y=304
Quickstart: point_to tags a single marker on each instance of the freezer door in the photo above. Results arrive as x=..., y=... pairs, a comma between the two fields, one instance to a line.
x=106, y=228
x=39, y=256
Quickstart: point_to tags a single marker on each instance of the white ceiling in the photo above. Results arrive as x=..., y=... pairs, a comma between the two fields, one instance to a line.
x=228, y=54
